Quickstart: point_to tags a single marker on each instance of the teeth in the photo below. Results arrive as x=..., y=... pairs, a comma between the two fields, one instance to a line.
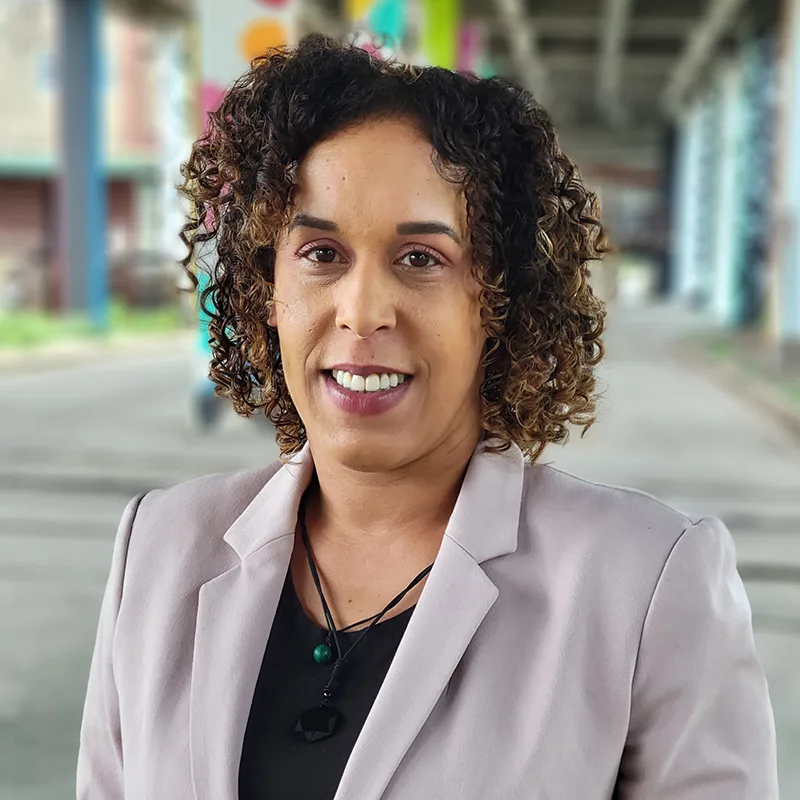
x=370, y=383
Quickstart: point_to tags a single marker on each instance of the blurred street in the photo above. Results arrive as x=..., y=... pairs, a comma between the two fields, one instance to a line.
x=79, y=442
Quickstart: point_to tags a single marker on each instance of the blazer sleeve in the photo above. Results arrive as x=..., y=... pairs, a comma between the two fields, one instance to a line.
x=701, y=725
x=99, y=774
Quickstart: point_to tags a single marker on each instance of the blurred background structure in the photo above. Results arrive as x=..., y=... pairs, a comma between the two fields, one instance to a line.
x=683, y=115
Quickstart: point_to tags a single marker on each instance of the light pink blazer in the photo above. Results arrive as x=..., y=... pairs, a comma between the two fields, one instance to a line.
x=573, y=642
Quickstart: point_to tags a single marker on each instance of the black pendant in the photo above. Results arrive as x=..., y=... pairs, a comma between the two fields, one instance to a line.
x=317, y=723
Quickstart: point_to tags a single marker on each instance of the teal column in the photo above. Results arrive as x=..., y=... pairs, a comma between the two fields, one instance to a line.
x=727, y=205
x=687, y=201
x=387, y=20
x=708, y=195
x=754, y=183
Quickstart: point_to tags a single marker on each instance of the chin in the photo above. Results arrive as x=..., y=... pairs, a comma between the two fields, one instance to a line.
x=364, y=451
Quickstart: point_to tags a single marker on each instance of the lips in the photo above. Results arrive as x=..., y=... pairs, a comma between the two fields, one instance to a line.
x=372, y=390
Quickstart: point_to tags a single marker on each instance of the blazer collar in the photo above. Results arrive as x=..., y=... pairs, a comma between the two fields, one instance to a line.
x=484, y=521
x=273, y=511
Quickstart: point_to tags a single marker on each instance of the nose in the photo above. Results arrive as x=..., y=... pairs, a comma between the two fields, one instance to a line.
x=366, y=301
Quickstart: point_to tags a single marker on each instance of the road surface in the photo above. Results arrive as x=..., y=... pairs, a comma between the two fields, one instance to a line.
x=77, y=443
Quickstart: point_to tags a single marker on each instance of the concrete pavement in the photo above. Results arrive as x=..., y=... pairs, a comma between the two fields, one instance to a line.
x=78, y=442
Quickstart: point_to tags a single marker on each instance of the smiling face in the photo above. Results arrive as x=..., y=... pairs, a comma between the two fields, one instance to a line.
x=376, y=307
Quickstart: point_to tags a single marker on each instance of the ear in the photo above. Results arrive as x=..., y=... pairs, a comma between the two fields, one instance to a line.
x=272, y=317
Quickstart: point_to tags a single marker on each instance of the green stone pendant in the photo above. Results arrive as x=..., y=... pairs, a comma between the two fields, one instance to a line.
x=322, y=654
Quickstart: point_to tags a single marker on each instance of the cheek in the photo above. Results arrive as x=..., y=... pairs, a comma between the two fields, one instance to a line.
x=288, y=308
x=295, y=346
x=287, y=315
x=294, y=329
x=474, y=333
x=300, y=319
x=458, y=337
x=282, y=280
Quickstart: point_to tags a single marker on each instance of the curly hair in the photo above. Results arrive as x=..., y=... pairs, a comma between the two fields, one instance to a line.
x=534, y=229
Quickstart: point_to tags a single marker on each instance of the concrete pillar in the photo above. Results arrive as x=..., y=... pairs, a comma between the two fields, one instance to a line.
x=785, y=301
x=687, y=198
x=727, y=230
x=175, y=137
x=82, y=197
x=707, y=195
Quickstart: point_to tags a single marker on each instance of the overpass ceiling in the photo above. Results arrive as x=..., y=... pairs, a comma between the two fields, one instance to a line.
x=601, y=67
x=592, y=70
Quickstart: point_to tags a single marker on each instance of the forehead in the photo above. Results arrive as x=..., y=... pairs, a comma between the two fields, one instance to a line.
x=378, y=169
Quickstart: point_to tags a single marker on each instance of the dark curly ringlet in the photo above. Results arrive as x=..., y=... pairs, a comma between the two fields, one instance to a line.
x=534, y=228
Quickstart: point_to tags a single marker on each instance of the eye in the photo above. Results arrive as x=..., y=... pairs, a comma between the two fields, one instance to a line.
x=321, y=255
x=420, y=259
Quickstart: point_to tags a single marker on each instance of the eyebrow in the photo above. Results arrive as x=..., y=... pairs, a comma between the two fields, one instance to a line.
x=403, y=228
x=307, y=221
x=411, y=228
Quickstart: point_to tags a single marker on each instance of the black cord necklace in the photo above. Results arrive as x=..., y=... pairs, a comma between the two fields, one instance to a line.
x=322, y=721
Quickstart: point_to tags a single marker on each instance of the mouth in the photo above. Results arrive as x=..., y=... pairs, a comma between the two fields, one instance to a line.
x=366, y=389
x=363, y=382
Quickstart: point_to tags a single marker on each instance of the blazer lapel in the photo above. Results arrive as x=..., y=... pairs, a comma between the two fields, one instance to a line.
x=234, y=618
x=428, y=654
x=236, y=610
x=454, y=602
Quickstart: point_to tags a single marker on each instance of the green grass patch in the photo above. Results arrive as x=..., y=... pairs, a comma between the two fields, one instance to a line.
x=26, y=329
x=124, y=320
x=717, y=345
x=792, y=391
x=722, y=347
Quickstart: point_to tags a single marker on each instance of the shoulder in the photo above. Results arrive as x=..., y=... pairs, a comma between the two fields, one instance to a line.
x=554, y=500
x=612, y=555
x=218, y=497
x=614, y=536
x=185, y=523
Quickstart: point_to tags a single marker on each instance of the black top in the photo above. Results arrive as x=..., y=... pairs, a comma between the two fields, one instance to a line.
x=275, y=764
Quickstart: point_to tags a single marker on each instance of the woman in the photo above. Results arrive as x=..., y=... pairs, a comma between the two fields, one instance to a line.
x=402, y=287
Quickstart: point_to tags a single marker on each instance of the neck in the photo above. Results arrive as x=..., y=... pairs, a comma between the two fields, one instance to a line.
x=407, y=506
x=372, y=532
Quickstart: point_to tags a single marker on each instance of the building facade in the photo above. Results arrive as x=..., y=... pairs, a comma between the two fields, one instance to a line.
x=29, y=146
